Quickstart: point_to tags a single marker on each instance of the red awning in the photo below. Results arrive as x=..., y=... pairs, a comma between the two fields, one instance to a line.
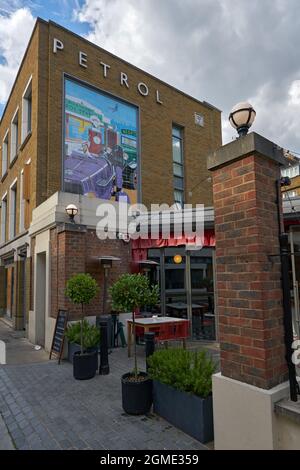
x=140, y=246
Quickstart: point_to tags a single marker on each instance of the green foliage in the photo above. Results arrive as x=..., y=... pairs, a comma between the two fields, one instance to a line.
x=189, y=371
x=91, y=338
x=81, y=288
x=73, y=332
x=131, y=291
x=91, y=334
x=128, y=293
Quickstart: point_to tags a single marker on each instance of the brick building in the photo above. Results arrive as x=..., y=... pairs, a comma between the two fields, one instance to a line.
x=76, y=111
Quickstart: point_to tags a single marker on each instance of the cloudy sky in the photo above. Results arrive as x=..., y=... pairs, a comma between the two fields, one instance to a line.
x=220, y=51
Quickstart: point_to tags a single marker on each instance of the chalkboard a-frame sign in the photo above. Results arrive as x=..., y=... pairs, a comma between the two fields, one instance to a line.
x=59, y=334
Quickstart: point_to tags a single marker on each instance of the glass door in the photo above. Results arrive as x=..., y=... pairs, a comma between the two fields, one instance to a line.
x=10, y=287
x=295, y=278
x=175, y=282
x=202, y=294
x=187, y=287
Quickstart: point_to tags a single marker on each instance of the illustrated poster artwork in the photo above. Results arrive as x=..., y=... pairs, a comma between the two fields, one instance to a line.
x=101, y=144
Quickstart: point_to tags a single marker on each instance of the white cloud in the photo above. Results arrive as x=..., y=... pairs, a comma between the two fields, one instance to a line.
x=234, y=51
x=231, y=51
x=294, y=93
x=118, y=27
x=15, y=30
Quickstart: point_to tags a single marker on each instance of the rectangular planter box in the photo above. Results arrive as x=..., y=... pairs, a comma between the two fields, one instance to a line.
x=188, y=412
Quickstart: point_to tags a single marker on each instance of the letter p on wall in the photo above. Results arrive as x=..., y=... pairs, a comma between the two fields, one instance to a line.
x=2, y=352
x=57, y=45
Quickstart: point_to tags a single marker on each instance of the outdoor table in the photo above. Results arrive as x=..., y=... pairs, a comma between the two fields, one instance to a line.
x=197, y=310
x=180, y=306
x=149, y=323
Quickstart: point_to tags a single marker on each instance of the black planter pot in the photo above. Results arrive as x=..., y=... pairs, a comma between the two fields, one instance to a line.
x=95, y=350
x=84, y=365
x=136, y=396
x=72, y=349
x=188, y=412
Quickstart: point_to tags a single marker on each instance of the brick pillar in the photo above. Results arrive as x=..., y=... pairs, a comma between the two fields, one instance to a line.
x=68, y=253
x=249, y=292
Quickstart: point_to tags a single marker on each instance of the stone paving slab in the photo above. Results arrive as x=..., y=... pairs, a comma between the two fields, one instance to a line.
x=18, y=348
x=5, y=439
x=43, y=407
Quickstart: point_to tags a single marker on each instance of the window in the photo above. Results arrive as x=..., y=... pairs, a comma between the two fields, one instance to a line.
x=27, y=193
x=22, y=204
x=13, y=210
x=27, y=110
x=4, y=153
x=178, y=170
x=289, y=194
x=14, y=136
x=291, y=171
x=3, y=218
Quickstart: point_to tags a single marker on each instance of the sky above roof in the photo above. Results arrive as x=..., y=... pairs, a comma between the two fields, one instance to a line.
x=220, y=51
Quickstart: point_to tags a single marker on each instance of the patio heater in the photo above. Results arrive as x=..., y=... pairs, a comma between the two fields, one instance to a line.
x=146, y=266
x=106, y=262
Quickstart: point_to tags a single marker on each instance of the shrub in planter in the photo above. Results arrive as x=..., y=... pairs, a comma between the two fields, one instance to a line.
x=130, y=292
x=182, y=386
x=73, y=337
x=81, y=289
x=91, y=338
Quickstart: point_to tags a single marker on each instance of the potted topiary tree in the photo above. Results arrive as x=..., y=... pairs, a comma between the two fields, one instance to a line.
x=81, y=289
x=91, y=339
x=130, y=292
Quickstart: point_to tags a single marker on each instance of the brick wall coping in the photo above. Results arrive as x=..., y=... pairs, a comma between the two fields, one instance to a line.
x=70, y=227
x=252, y=143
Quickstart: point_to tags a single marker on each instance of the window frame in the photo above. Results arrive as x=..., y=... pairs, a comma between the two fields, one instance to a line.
x=3, y=234
x=22, y=204
x=177, y=134
x=26, y=129
x=5, y=142
x=12, y=224
x=14, y=136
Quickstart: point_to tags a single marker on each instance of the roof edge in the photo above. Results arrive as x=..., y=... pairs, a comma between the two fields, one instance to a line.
x=203, y=103
x=38, y=20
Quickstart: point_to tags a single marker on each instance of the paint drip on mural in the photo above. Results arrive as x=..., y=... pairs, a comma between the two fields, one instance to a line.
x=101, y=144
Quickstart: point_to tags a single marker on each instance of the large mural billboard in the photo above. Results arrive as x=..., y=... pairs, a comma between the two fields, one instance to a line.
x=101, y=144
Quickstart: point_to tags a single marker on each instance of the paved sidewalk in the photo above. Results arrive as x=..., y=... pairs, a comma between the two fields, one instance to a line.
x=45, y=408
x=6, y=442
x=18, y=349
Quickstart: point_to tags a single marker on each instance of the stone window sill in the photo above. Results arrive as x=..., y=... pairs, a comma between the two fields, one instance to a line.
x=4, y=176
x=25, y=141
x=13, y=160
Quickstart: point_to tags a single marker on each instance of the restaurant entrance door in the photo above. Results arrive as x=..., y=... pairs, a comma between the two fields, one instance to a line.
x=186, y=279
x=294, y=239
